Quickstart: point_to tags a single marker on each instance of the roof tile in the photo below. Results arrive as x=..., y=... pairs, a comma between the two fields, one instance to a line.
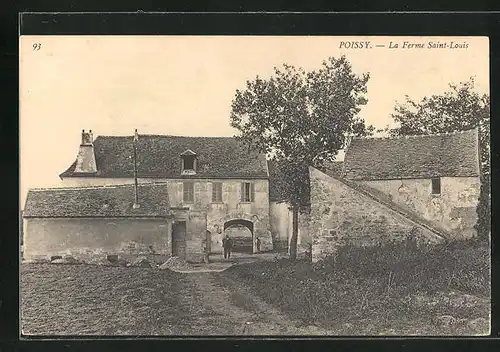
x=160, y=156
x=110, y=201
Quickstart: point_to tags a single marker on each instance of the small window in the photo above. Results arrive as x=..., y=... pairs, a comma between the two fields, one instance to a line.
x=188, y=192
x=217, y=192
x=436, y=186
x=247, y=192
x=188, y=163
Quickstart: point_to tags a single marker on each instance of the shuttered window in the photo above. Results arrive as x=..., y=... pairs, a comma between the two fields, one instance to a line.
x=436, y=186
x=188, y=192
x=217, y=192
x=247, y=192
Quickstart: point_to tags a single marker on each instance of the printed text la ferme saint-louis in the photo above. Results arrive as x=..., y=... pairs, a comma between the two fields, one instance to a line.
x=363, y=44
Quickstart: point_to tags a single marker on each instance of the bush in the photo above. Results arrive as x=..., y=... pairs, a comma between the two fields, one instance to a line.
x=426, y=268
x=363, y=280
x=483, y=225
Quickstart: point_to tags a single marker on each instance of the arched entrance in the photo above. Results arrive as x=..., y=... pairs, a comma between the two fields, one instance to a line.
x=241, y=233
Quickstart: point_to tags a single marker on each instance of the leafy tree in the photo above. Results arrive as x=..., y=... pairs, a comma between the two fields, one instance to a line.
x=301, y=119
x=459, y=109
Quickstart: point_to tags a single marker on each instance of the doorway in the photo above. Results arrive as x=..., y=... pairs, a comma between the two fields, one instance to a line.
x=179, y=239
x=241, y=233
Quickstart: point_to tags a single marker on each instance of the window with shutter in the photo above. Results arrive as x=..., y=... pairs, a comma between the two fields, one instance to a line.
x=436, y=186
x=217, y=192
x=247, y=191
x=188, y=192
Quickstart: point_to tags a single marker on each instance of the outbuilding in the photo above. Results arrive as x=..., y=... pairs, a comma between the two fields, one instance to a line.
x=112, y=220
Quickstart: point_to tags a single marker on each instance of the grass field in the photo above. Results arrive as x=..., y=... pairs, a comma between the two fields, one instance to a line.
x=93, y=300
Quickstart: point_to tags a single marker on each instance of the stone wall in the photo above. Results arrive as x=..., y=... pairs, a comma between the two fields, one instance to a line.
x=454, y=209
x=341, y=215
x=84, y=238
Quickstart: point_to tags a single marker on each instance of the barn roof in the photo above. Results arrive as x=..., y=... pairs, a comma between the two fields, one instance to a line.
x=109, y=201
x=425, y=156
x=160, y=156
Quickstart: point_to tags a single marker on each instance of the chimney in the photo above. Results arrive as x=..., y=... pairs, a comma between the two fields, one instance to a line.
x=85, y=160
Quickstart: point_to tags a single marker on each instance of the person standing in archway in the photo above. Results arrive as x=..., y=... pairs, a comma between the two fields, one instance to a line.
x=227, y=243
x=257, y=242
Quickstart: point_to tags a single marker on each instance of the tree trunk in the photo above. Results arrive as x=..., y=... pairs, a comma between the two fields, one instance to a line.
x=295, y=232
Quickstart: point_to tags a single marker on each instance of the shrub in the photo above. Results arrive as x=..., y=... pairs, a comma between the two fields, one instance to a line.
x=371, y=280
x=427, y=268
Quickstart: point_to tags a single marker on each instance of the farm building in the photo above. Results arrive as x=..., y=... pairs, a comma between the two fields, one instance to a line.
x=92, y=221
x=424, y=186
x=207, y=187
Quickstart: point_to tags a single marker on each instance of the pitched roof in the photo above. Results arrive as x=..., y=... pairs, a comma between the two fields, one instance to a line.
x=450, y=154
x=109, y=201
x=160, y=156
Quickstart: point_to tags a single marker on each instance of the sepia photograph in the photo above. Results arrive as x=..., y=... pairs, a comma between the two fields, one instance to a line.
x=254, y=186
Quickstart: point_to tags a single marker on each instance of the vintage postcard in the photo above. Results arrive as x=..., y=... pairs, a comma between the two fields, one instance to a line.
x=254, y=186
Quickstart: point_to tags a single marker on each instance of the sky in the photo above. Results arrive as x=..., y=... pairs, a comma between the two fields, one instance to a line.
x=184, y=85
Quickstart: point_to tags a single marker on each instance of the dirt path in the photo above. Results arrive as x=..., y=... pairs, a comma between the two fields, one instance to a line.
x=238, y=312
x=92, y=300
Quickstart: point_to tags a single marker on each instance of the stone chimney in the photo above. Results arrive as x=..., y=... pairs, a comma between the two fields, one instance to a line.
x=85, y=160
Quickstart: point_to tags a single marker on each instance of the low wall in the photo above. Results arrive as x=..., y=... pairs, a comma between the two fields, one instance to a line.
x=88, y=237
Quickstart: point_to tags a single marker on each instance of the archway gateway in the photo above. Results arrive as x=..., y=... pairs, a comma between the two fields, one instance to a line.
x=241, y=232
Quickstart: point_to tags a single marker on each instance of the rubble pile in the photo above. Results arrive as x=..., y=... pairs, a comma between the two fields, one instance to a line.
x=176, y=263
x=141, y=262
x=67, y=259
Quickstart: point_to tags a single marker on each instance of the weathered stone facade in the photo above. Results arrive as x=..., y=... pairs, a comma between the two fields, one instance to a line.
x=217, y=213
x=341, y=215
x=454, y=209
x=216, y=176
x=196, y=224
